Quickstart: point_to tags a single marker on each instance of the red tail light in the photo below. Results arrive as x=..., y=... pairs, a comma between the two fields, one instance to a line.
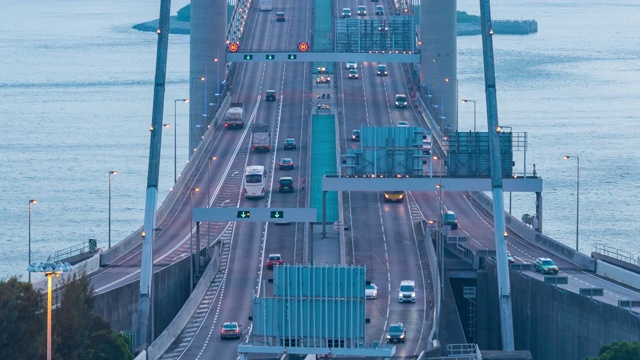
x=263, y=190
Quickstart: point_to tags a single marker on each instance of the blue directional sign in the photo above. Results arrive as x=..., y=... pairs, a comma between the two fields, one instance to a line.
x=278, y=214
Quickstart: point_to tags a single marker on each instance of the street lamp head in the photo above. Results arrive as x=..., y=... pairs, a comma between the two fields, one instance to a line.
x=566, y=157
x=196, y=189
x=214, y=158
x=113, y=172
x=166, y=125
x=144, y=234
x=185, y=100
x=33, y=201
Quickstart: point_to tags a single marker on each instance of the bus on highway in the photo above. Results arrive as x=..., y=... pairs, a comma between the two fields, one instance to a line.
x=255, y=182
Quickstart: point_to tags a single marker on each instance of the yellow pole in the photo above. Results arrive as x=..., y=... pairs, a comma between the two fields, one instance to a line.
x=50, y=280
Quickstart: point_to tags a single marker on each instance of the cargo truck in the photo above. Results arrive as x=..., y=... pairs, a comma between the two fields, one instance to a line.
x=266, y=5
x=261, y=137
x=234, y=117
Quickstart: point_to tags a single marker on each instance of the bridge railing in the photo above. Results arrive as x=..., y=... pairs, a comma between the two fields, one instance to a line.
x=604, y=249
x=84, y=247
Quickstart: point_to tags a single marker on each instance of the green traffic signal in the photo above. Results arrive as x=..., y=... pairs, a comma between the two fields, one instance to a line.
x=277, y=214
x=292, y=56
x=248, y=57
x=242, y=214
x=270, y=56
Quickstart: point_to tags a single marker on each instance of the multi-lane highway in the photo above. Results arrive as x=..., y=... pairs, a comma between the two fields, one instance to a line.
x=383, y=236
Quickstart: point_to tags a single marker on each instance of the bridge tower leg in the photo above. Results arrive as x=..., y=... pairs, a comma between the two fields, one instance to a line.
x=438, y=60
x=208, y=43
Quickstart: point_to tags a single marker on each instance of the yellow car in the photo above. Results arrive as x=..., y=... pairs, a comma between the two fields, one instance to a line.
x=394, y=196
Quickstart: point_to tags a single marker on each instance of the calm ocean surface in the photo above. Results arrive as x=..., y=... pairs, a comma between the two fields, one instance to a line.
x=76, y=84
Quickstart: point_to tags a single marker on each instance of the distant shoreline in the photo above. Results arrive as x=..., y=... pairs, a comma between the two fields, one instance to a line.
x=175, y=26
x=466, y=25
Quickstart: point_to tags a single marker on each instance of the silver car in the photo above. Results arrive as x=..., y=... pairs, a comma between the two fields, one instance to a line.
x=371, y=291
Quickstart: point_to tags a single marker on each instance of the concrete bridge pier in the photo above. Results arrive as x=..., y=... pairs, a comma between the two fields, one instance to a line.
x=207, y=65
x=438, y=68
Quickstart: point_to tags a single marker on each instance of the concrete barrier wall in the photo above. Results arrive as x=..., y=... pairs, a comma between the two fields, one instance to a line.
x=141, y=356
x=170, y=288
x=554, y=324
x=618, y=274
x=435, y=281
x=521, y=229
x=173, y=330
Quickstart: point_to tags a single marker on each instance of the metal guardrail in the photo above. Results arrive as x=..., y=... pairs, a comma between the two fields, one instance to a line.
x=604, y=249
x=74, y=250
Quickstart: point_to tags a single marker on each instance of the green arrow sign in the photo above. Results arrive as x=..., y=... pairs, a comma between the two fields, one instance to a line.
x=292, y=56
x=248, y=57
x=277, y=214
x=270, y=56
x=243, y=214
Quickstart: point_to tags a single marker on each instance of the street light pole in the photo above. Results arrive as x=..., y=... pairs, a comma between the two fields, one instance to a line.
x=49, y=269
x=577, y=195
x=208, y=200
x=217, y=61
x=112, y=172
x=474, y=111
x=175, y=138
x=441, y=187
x=32, y=201
x=191, y=241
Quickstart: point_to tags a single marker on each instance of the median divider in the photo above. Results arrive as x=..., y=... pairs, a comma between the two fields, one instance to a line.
x=169, y=335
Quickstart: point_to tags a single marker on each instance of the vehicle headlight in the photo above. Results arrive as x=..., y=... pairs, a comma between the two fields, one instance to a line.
x=375, y=292
x=413, y=294
x=401, y=336
x=388, y=336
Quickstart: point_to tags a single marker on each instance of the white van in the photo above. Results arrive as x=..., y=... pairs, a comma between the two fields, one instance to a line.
x=407, y=291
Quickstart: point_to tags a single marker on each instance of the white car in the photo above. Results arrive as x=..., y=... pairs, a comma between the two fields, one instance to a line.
x=352, y=65
x=371, y=291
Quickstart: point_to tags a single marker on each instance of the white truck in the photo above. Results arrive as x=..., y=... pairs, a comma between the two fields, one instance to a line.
x=261, y=137
x=266, y=5
x=234, y=117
